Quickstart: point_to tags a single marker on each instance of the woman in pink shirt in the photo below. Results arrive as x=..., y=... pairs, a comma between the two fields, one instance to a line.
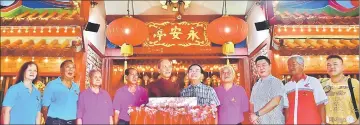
x=94, y=104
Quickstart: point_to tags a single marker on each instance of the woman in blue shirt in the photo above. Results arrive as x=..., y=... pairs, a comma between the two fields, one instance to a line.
x=23, y=101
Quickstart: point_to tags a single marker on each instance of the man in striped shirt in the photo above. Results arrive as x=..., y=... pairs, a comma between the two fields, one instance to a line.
x=205, y=94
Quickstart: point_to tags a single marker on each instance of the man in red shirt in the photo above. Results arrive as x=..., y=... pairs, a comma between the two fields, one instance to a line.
x=305, y=98
x=164, y=87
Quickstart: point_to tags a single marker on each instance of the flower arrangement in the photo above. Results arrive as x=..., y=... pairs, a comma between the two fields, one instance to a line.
x=188, y=114
x=40, y=86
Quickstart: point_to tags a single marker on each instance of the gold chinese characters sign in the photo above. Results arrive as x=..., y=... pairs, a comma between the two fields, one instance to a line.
x=177, y=34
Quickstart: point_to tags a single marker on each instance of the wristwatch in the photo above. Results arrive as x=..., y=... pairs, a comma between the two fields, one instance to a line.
x=257, y=114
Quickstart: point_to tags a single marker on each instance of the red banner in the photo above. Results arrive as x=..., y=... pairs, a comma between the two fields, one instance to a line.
x=171, y=116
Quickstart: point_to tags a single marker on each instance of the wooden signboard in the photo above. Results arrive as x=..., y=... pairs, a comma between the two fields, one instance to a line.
x=177, y=36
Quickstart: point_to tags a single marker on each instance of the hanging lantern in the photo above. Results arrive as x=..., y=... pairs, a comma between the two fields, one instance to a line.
x=127, y=30
x=227, y=49
x=227, y=28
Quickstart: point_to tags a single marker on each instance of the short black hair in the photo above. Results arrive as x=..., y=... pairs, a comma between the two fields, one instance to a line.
x=66, y=61
x=335, y=57
x=261, y=58
x=201, y=69
x=127, y=71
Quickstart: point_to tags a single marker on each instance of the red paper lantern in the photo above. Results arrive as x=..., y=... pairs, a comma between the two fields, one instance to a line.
x=226, y=29
x=355, y=3
x=127, y=30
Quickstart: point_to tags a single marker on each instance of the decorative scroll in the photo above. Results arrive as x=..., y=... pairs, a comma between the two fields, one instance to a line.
x=93, y=61
x=183, y=34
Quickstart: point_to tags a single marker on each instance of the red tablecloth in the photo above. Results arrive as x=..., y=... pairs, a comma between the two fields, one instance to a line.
x=194, y=115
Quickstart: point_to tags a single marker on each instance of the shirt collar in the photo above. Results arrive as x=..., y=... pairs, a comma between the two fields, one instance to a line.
x=303, y=77
x=60, y=82
x=136, y=87
x=162, y=80
x=100, y=91
x=267, y=77
x=222, y=86
x=22, y=85
x=198, y=85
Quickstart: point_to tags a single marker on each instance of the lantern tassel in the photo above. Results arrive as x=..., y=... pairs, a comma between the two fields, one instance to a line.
x=228, y=48
x=126, y=50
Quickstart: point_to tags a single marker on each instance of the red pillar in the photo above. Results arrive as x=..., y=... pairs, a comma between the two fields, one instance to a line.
x=80, y=72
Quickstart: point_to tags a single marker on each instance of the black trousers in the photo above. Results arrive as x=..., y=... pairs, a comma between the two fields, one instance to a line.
x=123, y=122
x=57, y=121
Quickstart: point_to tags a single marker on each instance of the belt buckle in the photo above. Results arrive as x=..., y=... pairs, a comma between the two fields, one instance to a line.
x=69, y=122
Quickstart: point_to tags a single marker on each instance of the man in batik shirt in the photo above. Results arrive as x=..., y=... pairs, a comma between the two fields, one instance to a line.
x=340, y=109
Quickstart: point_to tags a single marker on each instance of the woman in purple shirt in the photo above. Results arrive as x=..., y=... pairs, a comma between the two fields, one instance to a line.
x=130, y=95
x=94, y=105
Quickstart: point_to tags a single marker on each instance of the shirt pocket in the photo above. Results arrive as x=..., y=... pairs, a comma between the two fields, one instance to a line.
x=75, y=95
x=59, y=96
x=205, y=99
x=235, y=101
x=38, y=100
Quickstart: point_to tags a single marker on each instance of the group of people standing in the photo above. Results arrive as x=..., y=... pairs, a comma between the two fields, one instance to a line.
x=303, y=100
